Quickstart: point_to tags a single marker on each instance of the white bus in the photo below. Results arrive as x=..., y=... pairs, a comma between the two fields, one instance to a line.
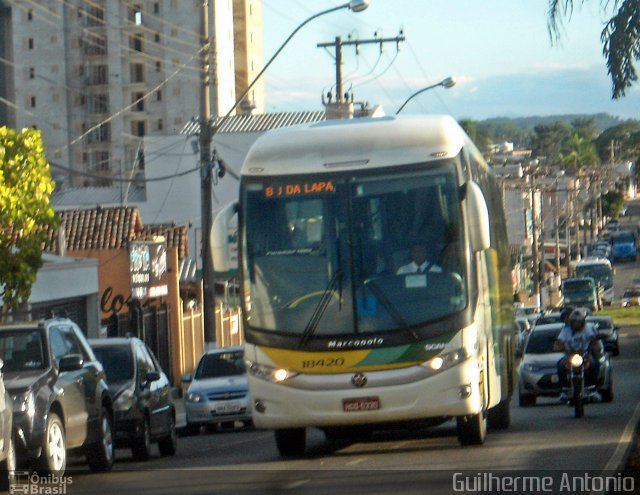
x=335, y=337
x=601, y=271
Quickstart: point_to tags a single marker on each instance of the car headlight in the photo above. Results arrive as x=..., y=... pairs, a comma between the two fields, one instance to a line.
x=194, y=397
x=125, y=401
x=531, y=368
x=24, y=403
x=269, y=373
x=445, y=360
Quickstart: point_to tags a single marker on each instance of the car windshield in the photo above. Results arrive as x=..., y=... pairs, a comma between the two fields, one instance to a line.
x=216, y=365
x=541, y=342
x=328, y=257
x=116, y=361
x=23, y=350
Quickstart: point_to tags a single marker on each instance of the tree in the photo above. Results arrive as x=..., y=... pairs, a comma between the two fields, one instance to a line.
x=552, y=141
x=620, y=38
x=25, y=213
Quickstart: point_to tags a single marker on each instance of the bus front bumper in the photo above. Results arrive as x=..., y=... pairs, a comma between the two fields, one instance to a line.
x=453, y=392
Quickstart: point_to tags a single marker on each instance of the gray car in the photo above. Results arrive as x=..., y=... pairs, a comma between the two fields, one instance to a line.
x=538, y=368
x=218, y=392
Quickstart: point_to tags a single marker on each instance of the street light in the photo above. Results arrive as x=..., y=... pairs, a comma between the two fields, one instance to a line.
x=447, y=83
x=207, y=131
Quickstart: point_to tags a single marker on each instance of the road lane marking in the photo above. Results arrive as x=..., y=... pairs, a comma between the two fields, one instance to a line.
x=295, y=484
x=355, y=462
x=622, y=450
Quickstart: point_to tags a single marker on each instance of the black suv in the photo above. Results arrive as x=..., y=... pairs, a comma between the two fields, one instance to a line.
x=141, y=392
x=60, y=396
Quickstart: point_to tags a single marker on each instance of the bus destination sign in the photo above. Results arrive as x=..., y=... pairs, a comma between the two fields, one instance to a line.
x=299, y=189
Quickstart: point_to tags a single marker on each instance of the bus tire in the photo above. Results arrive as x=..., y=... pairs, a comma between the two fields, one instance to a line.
x=472, y=429
x=499, y=417
x=291, y=441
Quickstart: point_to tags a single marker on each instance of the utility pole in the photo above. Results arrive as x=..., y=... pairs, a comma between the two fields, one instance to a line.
x=337, y=44
x=534, y=239
x=206, y=182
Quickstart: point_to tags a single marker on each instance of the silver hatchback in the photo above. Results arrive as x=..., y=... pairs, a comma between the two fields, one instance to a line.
x=218, y=392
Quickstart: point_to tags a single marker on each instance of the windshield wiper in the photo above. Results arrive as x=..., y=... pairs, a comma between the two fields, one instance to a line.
x=325, y=299
x=391, y=309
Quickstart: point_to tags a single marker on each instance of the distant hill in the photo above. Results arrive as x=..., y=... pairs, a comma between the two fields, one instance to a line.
x=603, y=120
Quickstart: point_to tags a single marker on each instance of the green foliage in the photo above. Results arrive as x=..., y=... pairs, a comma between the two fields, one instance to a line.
x=622, y=142
x=25, y=212
x=620, y=38
x=612, y=204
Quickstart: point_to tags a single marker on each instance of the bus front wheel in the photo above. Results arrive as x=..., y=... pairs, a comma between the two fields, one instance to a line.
x=472, y=429
x=291, y=441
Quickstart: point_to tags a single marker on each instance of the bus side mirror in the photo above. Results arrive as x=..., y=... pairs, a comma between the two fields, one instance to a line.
x=478, y=216
x=219, y=238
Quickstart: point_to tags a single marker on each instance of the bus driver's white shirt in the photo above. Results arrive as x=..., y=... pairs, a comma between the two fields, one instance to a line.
x=414, y=268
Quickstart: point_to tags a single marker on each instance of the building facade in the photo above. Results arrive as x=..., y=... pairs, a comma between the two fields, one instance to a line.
x=97, y=76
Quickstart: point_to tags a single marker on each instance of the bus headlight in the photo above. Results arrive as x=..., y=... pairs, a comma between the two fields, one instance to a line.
x=446, y=360
x=269, y=373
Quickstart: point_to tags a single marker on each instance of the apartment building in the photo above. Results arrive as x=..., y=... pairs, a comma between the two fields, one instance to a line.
x=96, y=76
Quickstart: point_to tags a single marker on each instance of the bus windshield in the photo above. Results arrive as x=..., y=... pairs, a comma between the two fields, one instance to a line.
x=322, y=256
x=602, y=274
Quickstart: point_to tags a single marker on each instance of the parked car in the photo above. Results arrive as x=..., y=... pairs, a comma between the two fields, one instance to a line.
x=531, y=313
x=549, y=317
x=631, y=297
x=538, y=368
x=607, y=331
x=61, y=401
x=141, y=393
x=7, y=449
x=218, y=392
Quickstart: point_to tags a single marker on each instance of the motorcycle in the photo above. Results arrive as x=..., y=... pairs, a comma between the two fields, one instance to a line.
x=579, y=394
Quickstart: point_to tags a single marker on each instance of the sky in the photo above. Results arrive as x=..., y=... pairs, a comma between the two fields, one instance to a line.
x=498, y=51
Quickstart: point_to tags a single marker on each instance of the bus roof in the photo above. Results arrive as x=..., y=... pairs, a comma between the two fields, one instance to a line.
x=593, y=260
x=361, y=143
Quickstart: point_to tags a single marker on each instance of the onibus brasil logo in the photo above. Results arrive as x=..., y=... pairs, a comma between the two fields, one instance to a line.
x=32, y=483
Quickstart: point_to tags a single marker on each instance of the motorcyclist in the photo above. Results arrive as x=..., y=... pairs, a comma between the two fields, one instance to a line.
x=579, y=336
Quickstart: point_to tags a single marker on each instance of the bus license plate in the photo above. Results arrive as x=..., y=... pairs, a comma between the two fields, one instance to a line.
x=361, y=404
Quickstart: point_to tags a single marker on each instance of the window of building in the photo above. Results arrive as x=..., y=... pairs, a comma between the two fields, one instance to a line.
x=99, y=103
x=100, y=161
x=159, y=95
x=137, y=72
x=160, y=124
x=32, y=101
x=30, y=15
x=94, y=16
x=139, y=128
x=158, y=66
x=135, y=42
x=156, y=8
x=30, y=43
x=32, y=72
x=98, y=74
x=135, y=14
x=137, y=102
x=156, y=37
x=101, y=134
x=94, y=45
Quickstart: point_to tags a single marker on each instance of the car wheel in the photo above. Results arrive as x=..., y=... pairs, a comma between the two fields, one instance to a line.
x=100, y=455
x=53, y=459
x=169, y=444
x=8, y=467
x=527, y=400
x=141, y=447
